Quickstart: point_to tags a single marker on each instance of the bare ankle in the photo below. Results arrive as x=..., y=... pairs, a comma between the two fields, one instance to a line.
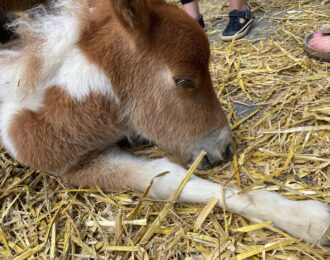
x=192, y=9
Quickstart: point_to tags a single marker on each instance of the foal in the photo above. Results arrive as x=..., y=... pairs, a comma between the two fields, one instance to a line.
x=81, y=79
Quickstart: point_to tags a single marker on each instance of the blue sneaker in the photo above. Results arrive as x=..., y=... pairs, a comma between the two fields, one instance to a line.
x=235, y=29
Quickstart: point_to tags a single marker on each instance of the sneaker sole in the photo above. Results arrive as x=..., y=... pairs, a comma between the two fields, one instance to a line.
x=238, y=35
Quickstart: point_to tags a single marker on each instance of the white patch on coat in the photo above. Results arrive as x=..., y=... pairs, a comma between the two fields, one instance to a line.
x=79, y=77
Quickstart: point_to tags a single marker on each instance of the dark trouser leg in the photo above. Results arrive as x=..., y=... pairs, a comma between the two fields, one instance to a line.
x=186, y=1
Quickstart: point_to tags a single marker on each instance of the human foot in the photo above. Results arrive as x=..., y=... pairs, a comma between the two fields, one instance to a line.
x=320, y=42
x=317, y=44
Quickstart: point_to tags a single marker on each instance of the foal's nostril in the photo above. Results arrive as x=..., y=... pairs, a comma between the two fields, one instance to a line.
x=205, y=164
x=229, y=153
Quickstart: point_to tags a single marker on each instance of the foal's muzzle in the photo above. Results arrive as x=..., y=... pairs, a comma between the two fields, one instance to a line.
x=218, y=147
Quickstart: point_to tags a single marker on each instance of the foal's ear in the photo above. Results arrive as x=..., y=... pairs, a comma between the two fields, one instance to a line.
x=134, y=14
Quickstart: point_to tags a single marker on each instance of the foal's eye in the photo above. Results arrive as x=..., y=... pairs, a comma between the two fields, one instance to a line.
x=185, y=83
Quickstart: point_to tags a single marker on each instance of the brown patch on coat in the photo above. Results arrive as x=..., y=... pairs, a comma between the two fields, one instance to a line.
x=64, y=130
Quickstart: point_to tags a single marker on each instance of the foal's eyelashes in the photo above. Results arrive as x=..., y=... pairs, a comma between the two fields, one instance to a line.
x=185, y=83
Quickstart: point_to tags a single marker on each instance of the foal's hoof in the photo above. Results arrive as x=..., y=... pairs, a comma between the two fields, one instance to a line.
x=306, y=219
x=312, y=222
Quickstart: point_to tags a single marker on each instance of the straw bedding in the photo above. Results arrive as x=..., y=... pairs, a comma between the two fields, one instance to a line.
x=278, y=103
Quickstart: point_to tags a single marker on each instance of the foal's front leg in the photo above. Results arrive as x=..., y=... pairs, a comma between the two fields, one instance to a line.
x=116, y=170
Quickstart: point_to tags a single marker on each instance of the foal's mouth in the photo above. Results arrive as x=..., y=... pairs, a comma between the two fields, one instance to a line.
x=132, y=141
x=210, y=161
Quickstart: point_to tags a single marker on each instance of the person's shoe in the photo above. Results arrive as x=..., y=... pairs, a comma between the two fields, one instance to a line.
x=201, y=21
x=235, y=29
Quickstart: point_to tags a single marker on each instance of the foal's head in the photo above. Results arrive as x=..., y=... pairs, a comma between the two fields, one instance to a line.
x=158, y=66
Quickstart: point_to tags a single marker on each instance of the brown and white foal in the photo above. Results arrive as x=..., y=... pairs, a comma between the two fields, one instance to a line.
x=82, y=78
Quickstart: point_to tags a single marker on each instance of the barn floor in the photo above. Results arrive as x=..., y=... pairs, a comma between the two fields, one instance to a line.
x=278, y=103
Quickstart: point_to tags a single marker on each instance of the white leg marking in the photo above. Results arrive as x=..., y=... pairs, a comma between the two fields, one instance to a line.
x=197, y=189
x=305, y=219
x=118, y=170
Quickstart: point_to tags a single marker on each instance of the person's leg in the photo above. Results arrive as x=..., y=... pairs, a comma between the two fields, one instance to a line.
x=191, y=7
x=238, y=5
